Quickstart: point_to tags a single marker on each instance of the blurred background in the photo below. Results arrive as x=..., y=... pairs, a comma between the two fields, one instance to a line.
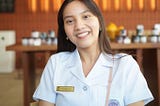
x=127, y=22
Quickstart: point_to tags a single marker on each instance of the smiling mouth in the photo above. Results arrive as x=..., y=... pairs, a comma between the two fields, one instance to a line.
x=83, y=35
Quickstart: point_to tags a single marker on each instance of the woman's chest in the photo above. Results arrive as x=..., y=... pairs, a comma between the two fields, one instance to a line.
x=91, y=91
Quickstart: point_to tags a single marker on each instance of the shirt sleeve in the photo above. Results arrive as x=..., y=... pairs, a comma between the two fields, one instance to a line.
x=136, y=85
x=45, y=90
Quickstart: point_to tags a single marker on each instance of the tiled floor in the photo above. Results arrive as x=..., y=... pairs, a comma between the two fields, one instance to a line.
x=11, y=90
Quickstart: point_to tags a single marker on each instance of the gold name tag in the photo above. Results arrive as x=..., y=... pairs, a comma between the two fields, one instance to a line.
x=65, y=88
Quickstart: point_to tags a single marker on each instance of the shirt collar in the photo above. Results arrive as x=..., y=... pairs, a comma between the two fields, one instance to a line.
x=104, y=59
x=74, y=64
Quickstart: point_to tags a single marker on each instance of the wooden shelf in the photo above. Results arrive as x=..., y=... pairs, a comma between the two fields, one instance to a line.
x=135, y=46
x=23, y=48
x=114, y=46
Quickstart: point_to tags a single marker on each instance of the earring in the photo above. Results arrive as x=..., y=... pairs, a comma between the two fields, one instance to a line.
x=67, y=38
x=100, y=29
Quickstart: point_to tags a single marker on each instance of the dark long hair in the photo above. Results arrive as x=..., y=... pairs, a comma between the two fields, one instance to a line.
x=67, y=45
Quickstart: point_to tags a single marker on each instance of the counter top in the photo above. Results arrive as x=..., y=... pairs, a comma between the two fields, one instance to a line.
x=19, y=47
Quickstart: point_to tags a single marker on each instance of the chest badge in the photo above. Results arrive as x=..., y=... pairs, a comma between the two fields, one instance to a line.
x=65, y=88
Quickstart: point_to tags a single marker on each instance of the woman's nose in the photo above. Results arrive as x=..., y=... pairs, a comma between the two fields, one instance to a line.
x=79, y=24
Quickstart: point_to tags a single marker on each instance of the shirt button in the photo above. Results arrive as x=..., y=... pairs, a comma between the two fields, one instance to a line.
x=85, y=88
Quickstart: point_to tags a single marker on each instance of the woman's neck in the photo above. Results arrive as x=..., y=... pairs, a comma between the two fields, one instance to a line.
x=88, y=58
x=89, y=54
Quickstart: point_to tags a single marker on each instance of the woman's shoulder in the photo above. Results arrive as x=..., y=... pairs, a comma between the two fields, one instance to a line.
x=127, y=63
x=124, y=57
x=121, y=55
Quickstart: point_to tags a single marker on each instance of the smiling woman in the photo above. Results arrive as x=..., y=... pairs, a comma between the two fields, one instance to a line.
x=85, y=71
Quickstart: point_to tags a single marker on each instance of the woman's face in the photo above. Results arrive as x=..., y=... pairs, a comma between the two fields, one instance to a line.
x=81, y=26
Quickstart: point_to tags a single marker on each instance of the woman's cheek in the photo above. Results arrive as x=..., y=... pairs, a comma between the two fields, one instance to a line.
x=68, y=31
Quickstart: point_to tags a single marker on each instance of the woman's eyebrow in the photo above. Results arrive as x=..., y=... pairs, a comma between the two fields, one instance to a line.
x=85, y=11
x=65, y=17
x=68, y=16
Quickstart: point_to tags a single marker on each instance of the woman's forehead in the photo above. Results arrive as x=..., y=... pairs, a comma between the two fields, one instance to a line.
x=75, y=7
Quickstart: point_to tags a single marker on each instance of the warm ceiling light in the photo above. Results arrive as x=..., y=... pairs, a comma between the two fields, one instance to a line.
x=106, y=4
x=42, y=5
x=56, y=4
x=32, y=5
x=45, y=5
x=141, y=5
x=117, y=5
x=153, y=4
x=129, y=5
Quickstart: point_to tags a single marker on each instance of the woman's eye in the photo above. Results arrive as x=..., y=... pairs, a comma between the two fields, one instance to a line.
x=69, y=21
x=86, y=16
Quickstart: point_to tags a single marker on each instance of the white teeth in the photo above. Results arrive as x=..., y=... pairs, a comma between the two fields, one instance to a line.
x=82, y=34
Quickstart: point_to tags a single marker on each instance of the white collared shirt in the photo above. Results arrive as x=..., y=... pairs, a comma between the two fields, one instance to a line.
x=65, y=69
